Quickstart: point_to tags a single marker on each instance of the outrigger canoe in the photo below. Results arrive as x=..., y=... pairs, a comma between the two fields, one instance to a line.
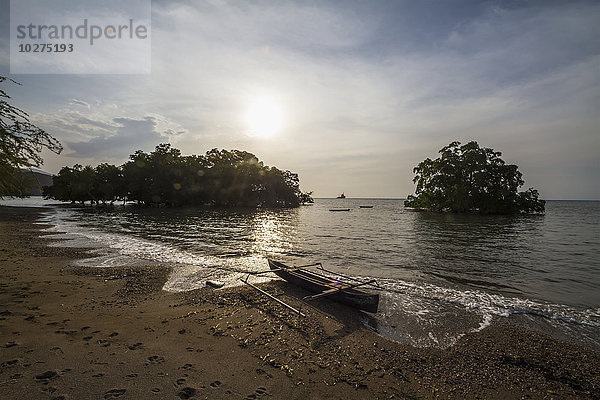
x=342, y=292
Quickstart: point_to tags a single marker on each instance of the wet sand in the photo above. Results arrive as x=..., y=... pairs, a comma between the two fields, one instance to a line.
x=86, y=333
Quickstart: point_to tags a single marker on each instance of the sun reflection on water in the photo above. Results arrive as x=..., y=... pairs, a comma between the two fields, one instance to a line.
x=273, y=234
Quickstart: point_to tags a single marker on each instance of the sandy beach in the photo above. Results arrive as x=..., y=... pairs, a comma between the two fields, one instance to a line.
x=88, y=333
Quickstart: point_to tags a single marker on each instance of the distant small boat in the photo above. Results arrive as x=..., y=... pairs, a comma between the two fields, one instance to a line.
x=366, y=206
x=341, y=196
x=339, y=209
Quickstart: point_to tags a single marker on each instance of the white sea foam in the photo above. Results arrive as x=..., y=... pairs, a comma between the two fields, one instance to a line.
x=493, y=304
x=191, y=271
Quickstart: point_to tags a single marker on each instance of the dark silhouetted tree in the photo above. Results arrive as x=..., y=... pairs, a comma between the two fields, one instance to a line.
x=21, y=143
x=227, y=178
x=468, y=178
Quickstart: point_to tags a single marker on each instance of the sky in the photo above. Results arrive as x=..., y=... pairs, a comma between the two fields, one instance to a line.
x=351, y=95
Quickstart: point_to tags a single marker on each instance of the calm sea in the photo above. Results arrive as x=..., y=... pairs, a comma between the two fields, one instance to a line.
x=445, y=274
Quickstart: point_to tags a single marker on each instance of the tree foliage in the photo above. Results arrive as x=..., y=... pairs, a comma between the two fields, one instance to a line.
x=21, y=143
x=468, y=178
x=229, y=178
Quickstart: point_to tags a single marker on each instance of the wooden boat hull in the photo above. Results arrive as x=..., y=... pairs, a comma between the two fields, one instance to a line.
x=315, y=283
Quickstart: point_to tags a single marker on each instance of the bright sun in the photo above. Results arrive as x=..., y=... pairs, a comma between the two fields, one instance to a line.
x=263, y=118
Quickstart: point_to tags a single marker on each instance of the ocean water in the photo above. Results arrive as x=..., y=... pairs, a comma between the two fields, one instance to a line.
x=444, y=274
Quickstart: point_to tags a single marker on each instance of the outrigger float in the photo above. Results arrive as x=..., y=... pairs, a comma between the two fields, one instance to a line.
x=350, y=293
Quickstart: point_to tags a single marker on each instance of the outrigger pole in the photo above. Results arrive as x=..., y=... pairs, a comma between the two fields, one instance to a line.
x=272, y=297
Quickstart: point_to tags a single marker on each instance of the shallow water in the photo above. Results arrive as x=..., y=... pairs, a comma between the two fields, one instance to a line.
x=445, y=274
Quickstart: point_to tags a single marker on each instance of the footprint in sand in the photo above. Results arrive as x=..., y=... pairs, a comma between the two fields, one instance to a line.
x=187, y=392
x=49, y=389
x=10, y=363
x=156, y=359
x=46, y=375
x=114, y=393
x=136, y=346
x=261, y=371
x=215, y=384
x=260, y=391
x=64, y=332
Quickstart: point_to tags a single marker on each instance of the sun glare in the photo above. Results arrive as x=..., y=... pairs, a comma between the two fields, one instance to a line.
x=263, y=118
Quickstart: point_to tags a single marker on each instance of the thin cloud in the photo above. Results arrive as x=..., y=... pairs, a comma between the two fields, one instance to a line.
x=80, y=103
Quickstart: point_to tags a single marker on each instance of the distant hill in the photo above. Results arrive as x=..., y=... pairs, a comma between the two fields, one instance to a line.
x=34, y=180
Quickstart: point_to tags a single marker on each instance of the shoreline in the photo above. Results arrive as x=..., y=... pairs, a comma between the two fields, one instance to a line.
x=91, y=333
